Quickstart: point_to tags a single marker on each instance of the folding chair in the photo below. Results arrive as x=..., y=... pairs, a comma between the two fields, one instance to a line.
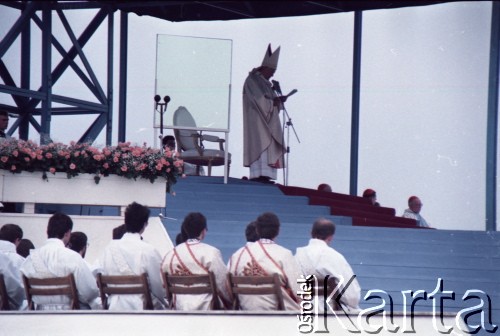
x=124, y=285
x=256, y=285
x=51, y=287
x=4, y=297
x=191, y=285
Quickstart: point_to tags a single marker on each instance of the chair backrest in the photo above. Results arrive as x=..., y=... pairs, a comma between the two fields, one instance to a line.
x=4, y=297
x=256, y=285
x=51, y=287
x=331, y=284
x=191, y=285
x=124, y=285
x=185, y=139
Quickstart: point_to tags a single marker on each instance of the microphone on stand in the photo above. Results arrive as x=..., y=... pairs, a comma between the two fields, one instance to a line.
x=166, y=100
x=276, y=86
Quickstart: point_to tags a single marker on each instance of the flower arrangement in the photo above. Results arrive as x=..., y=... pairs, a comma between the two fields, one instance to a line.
x=124, y=160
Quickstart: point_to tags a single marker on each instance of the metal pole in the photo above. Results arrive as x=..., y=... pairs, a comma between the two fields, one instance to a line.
x=109, y=122
x=356, y=79
x=122, y=98
x=492, y=121
x=46, y=75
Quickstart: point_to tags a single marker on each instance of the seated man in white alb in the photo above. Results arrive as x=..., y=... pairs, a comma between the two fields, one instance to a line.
x=10, y=263
x=53, y=259
x=130, y=255
x=190, y=257
x=263, y=258
x=321, y=260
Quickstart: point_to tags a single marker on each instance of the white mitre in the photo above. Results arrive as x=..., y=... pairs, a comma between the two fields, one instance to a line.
x=271, y=58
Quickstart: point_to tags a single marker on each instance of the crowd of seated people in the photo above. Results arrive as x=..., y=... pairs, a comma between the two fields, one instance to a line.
x=64, y=251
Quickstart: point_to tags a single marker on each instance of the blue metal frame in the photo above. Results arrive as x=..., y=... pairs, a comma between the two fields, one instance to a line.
x=27, y=101
x=356, y=82
x=492, y=121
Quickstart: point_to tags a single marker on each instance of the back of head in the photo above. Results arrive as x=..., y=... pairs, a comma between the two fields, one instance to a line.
x=322, y=229
x=412, y=199
x=169, y=141
x=136, y=217
x=59, y=224
x=251, y=232
x=192, y=226
x=325, y=187
x=369, y=193
x=268, y=225
x=119, y=231
x=24, y=247
x=77, y=241
x=11, y=233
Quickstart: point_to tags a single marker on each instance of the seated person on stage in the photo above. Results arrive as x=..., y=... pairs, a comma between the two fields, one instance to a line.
x=78, y=243
x=325, y=187
x=371, y=195
x=24, y=247
x=413, y=211
x=53, y=259
x=263, y=258
x=130, y=255
x=194, y=257
x=119, y=231
x=10, y=263
x=321, y=260
x=251, y=232
x=168, y=141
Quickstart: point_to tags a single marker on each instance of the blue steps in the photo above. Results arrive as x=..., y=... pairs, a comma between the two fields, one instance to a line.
x=389, y=259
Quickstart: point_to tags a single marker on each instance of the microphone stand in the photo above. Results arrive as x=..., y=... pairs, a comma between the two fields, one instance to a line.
x=163, y=109
x=286, y=124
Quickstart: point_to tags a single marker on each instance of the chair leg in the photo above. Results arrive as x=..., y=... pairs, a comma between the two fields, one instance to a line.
x=210, y=168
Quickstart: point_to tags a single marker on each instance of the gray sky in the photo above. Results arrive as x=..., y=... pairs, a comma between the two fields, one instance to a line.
x=423, y=99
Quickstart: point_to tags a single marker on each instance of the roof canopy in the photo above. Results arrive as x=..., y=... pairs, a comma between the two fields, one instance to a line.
x=233, y=10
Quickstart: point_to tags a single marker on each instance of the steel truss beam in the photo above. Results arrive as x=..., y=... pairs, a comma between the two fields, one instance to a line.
x=30, y=102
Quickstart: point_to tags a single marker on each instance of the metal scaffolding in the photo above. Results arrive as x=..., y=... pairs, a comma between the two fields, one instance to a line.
x=43, y=102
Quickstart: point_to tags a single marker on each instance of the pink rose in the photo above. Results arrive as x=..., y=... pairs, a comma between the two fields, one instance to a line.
x=124, y=168
x=4, y=159
x=72, y=166
x=52, y=170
